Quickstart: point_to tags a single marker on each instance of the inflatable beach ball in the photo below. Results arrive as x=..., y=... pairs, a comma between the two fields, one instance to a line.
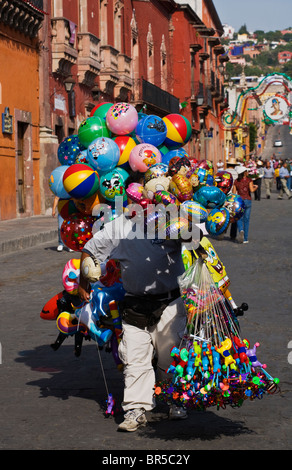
x=122, y=118
x=80, y=181
x=56, y=182
x=103, y=154
x=92, y=128
x=152, y=130
x=126, y=145
x=77, y=230
x=101, y=109
x=143, y=156
x=179, y=130
x=69, y=149
x=112, y=184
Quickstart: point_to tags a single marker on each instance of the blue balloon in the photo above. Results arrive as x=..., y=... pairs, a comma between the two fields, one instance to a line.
x=210, y=197
x=56, y=182
x=68, y=150
x=217, y=221
x=174, y=153
x=151, y=129
x=103, y=154
x=112, y=183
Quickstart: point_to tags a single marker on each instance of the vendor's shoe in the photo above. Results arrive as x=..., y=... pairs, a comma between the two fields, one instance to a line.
x=177, y=412
x=241, y=236
x=133, y=420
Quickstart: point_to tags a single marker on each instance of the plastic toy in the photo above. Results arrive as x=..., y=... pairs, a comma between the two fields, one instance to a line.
x=112, y=184
x=77, y=230
x=56, y=182
x=151, y=130
x=68, y=150
x=103, y=154
x=217, y=221
x=70, y=276
x=143, y=156
x=210, y=197
x=126, y=145
x=179, y=131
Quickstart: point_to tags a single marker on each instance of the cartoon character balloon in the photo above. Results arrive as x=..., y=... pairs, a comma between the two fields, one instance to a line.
x=151, y=129
x=143, y=156
x=103, y=154
x=217, y=221
x=224, y=181
x=112, y=184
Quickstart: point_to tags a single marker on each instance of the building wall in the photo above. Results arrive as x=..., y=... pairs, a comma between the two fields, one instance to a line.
x=19, y=151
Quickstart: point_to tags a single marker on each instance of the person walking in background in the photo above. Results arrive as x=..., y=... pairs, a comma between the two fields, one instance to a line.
x=61, y=245
x=269, y=174
x=284, y=176
x=244, y=187
x=289, y=180
x=258, y=180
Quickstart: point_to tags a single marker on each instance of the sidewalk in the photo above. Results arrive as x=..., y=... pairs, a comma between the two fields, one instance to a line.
x=18, y=234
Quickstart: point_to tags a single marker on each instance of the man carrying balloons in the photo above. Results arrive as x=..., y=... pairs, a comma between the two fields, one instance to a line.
x=152, y=310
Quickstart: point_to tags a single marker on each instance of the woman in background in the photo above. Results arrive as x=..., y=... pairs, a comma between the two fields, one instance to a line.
x=244, y=187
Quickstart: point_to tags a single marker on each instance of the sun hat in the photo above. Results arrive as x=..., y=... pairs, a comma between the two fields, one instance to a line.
x=241, y=169
x=232, y=161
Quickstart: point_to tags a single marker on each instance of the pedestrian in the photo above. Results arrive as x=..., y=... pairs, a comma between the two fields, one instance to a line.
x=220, y=165
x=284, y=176
x=269, y=173
x=289, y=180
x=230, y=167
x=153, y=316
x=244, y=187
x=258, y=180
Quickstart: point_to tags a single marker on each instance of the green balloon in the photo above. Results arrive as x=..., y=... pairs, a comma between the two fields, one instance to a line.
x=92, y=128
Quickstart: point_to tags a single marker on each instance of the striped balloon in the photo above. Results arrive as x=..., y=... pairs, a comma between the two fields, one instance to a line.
x=179, y=130
x=81, y=181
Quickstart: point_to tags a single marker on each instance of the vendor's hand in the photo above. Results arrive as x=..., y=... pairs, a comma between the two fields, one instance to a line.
x=84, y=293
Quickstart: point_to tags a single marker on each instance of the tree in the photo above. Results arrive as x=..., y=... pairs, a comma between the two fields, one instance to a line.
x=243, y=29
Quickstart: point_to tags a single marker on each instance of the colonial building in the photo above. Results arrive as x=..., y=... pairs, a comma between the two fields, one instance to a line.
x=162, y=56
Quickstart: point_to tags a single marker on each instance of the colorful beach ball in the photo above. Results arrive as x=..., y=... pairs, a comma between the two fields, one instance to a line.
x=176, y=153
x=67, y=207
x=92, y=128
x=122, y=118
x=112, y=184
x=80, y=181
x=71, y=275
x=56, y=182
x=126, y=145
x=76, y=231
x=69, y=149
x=103, y=154
x=152, y=130
x=101, y=109
x=179, y=130
x=217, y=221
x=143, y=156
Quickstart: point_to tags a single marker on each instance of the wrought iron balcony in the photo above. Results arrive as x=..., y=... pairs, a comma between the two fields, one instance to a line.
x=156, y=97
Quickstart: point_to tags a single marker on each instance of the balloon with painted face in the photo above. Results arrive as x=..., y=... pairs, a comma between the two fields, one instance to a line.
x=217, y=221
x=112, y=184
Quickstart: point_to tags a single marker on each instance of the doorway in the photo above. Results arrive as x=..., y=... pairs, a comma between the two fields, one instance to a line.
x=20, y=166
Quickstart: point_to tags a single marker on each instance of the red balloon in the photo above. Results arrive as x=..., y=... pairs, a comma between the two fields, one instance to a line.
x=76, y=230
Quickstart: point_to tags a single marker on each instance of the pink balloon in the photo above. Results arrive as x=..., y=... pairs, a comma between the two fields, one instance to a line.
x=121, y=118
x=143, y=156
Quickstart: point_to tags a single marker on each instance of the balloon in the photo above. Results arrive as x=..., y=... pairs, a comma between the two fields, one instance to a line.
x=135, y=191
x=235, y=206
x=152, y=130
x=92, y=128
x=194, y=211
x=224, y=181
x=82, y=157
x=143, y=156
x=126, y=145
x=86, y=206
x=103, y=154
x=204, y=176
x=112, y=184
x=121, y=118
x=101, y=109
x=56, y=182
x=179, y=130
x=165, y=198
x=207, y=165
x=71, y=275
x=181, y=187
x=69, y=149
x=217, y=221
x=80, y=181
x=210, y=197
x=158, y=169
x=50, y=311
x=77, y=230
x=67, y=207
x=174, y=153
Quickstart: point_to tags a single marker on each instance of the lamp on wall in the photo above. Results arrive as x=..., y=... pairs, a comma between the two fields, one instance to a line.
x=69, y=84
x=95, y=91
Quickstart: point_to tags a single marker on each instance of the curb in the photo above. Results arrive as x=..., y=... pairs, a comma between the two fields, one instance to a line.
x=28, y=241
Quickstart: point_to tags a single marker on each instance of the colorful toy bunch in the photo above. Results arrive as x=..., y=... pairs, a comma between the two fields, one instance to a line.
x=214, y=365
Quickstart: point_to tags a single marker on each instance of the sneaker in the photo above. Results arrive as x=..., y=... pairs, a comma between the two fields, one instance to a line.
x=133, y=420
x=60, y=248
x=245, y=241
x=268, y=197
x=177, y=412
x=70, y=250
x=241, y=236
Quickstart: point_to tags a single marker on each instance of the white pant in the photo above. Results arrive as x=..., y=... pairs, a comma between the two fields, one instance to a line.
x=136, y=352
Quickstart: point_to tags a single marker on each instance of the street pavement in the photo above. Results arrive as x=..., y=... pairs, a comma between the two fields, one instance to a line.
x=53, y=400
